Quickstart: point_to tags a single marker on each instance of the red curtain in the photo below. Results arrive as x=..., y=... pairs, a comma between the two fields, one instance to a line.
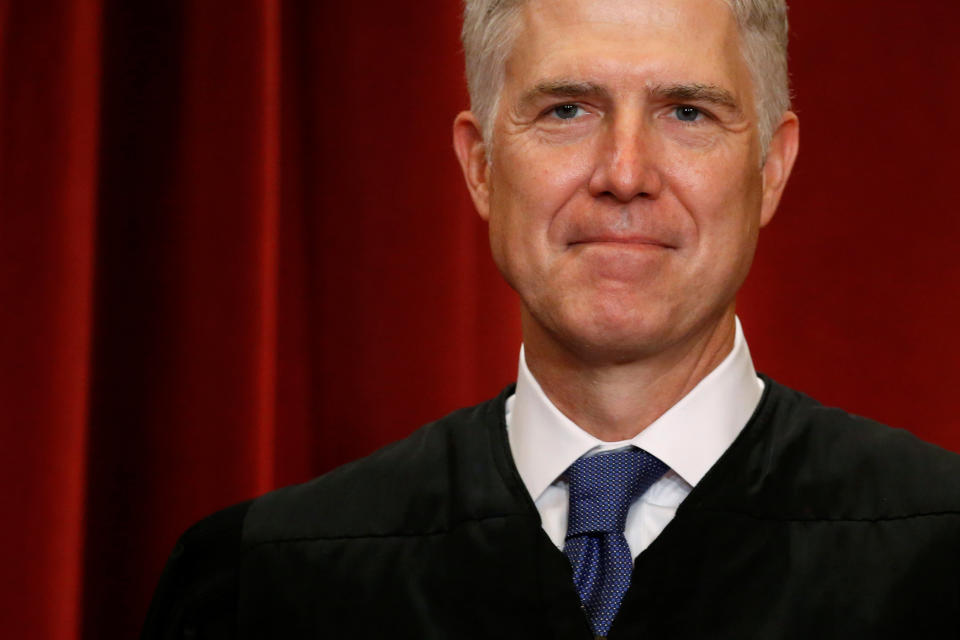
x=235, y=251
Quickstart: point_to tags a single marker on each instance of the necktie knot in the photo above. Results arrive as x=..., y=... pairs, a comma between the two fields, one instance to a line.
x=602, y=488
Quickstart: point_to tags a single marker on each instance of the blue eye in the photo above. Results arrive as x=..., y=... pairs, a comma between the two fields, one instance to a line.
x=566, y=111
x=688, y=114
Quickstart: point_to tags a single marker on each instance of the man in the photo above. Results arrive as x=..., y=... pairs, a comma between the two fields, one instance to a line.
x=640, y=480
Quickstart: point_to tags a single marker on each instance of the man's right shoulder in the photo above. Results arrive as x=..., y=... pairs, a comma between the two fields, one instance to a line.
x=426, y=483
x=388, y=491
x=405, y=488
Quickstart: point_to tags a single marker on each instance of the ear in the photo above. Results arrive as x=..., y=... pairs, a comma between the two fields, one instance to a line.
x=472, y=153
x=779, y=163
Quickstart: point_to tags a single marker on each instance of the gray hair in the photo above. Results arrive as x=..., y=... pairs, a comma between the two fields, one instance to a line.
x=490, y=28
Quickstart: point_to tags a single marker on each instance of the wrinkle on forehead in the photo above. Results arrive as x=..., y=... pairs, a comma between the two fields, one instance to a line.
x=651, y=40
x=662, y=13
x=555, y=25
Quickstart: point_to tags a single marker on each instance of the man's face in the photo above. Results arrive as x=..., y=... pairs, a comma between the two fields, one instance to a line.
x=625, y=189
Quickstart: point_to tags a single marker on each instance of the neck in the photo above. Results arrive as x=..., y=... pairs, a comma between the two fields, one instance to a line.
x=616, y=400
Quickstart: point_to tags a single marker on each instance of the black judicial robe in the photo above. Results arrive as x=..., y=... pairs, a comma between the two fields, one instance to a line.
x=813, y=524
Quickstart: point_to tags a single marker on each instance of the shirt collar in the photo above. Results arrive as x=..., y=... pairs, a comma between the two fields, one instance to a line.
x=689, y=437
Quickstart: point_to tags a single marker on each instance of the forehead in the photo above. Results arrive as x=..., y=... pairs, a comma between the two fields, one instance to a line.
x=629, y=41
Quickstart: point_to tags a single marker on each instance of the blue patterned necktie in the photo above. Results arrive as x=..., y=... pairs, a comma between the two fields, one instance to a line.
x=602, y=487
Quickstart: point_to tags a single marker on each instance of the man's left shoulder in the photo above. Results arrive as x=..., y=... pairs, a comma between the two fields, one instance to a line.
x=862, y=468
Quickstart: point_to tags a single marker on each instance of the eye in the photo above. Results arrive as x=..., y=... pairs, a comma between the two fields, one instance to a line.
x=688, y=114
x=567, y=111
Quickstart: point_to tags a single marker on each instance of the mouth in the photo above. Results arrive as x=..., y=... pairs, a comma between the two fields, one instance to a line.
x=626, y=242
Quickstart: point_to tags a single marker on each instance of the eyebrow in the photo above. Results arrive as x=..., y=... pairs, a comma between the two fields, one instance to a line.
x=708, y=93
x=563, y=89
x=694, y=92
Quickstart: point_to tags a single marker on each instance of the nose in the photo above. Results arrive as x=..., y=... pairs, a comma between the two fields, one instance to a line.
x=626, y=165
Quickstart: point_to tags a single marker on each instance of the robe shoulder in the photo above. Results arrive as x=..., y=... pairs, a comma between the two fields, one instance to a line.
x=197, y=593
x=798, y=459
x=445, y=473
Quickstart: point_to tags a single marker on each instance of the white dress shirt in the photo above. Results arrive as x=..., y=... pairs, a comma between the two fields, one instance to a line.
x=689, y=438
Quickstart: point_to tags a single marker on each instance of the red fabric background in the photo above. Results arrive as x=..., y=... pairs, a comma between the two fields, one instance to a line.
x=235, y=251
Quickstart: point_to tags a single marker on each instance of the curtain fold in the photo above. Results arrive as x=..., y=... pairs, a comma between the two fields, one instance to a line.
x=48, y=195
x=236, y=251
x=268, y=237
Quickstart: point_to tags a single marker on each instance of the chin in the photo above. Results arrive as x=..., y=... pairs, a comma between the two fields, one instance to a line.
x=617, y=348
x=614, y=334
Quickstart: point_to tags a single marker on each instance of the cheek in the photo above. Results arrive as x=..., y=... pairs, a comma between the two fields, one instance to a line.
x=723, y=204
x=531, y=183
x=723, y=207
